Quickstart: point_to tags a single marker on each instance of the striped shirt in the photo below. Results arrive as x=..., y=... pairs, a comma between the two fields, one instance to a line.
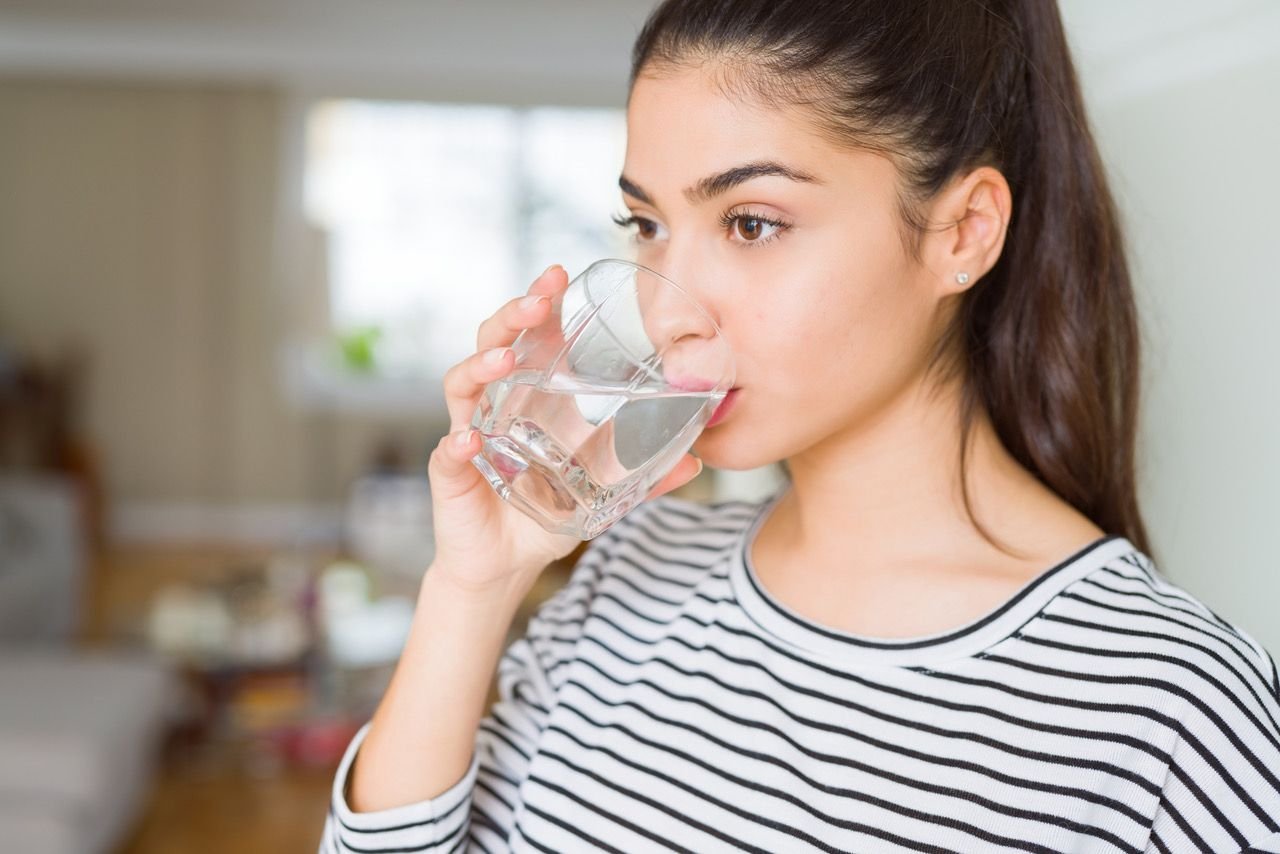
x=663, y=700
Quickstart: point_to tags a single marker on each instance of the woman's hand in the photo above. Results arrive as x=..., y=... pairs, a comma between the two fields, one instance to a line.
x=482, y=542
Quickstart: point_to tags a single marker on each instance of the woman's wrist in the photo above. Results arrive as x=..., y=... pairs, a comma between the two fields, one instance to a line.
x=504, y=593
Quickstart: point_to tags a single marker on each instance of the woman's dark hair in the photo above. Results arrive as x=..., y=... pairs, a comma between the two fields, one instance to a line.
x=1047, y=342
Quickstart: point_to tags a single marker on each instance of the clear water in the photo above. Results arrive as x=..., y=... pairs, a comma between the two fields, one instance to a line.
x=578, y=456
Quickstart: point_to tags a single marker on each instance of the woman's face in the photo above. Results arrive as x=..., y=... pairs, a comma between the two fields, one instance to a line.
x=800, y=264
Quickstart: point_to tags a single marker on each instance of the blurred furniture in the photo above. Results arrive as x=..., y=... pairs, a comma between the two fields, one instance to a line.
x=278, y=806
x=389, y=525
x=245, y=643
x=40, y=429
x=41, y=559
x=79, y=728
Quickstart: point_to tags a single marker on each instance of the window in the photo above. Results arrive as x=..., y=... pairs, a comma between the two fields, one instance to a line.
x=436, y=214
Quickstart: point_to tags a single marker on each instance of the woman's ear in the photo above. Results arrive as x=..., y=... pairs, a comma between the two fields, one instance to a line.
x=974, y=215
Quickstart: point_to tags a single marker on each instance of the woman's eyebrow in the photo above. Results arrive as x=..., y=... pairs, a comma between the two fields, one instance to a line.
x=713, y=185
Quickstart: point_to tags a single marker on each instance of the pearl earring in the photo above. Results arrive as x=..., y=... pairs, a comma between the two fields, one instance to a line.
x=962, y=278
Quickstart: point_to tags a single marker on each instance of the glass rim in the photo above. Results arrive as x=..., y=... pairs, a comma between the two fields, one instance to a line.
x=733, y=359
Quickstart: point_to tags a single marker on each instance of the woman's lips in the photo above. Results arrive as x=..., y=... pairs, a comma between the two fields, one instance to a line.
x=722, y=411
x=690, y=383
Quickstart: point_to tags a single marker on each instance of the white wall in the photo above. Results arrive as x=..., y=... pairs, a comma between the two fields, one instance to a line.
x=1198, y=179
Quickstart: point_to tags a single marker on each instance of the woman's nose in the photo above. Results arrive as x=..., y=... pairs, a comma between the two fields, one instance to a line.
x=683, y=329
x=672, y=313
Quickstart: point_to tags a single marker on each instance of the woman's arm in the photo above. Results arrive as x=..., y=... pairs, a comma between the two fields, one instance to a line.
x=466, y=771
x=433, y=705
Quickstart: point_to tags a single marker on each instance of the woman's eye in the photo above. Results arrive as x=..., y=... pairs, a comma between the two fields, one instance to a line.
x=746, y=228
x=646, y=229
x=750, y=229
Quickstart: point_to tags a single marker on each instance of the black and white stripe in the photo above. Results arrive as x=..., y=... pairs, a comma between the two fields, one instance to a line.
x=663, y=700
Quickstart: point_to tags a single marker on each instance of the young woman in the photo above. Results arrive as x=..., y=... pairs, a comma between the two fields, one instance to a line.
x=946, y=632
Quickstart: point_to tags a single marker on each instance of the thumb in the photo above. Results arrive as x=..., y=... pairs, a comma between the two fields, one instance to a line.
x=686, y=470
x=449, y=467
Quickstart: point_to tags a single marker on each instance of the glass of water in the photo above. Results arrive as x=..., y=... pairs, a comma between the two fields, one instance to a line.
x=606, y=396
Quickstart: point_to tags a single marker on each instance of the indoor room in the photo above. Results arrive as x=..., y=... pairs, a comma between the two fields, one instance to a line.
x=241, y=244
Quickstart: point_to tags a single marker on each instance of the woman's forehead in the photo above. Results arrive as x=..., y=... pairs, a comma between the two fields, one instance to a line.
x=682, y=127
x=691, y=101
x=683, y=123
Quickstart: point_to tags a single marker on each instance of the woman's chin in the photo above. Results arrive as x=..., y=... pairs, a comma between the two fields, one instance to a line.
x=724, y=447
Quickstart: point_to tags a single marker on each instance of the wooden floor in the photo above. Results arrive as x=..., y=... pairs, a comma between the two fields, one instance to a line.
x=193, y=813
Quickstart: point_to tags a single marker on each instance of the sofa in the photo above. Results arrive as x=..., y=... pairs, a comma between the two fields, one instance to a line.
x=80, y=728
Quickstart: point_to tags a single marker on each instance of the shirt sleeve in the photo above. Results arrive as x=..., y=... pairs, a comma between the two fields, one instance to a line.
x=1222, y=790
x=479, y=810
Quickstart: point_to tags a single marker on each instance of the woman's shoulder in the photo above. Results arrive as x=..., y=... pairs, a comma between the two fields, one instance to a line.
x=1209, y=682
x=1129, y=612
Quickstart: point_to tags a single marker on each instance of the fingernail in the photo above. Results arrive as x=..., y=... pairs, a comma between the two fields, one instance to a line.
x=699, y=471
x=495, y=355
x=549, y=269
x=463, y=439
x=531, y=301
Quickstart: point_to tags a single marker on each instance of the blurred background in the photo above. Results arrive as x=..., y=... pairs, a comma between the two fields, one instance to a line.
x=241, y=241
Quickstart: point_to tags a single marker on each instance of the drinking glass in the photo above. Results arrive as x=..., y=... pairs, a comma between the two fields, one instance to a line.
x=606, y=396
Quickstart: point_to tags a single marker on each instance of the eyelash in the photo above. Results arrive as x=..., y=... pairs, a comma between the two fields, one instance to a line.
x=727, y=219
x=624, y=221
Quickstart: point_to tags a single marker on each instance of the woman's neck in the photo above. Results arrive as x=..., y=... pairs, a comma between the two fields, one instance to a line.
x=885, y=495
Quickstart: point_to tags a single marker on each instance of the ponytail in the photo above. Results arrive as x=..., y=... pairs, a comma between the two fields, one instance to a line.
x=1053, y=336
